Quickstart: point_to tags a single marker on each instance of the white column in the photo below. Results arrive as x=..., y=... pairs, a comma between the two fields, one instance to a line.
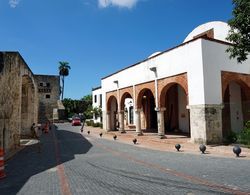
x=138, y=121
x=134, y=104
x=160, y=121
x=108, y=120
x=121, y=121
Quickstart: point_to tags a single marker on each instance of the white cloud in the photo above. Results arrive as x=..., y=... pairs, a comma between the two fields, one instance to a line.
x=14, y=3
x=120, y=3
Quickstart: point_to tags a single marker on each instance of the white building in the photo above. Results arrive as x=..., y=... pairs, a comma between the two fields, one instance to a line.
x=97, y=103
x=194, y=88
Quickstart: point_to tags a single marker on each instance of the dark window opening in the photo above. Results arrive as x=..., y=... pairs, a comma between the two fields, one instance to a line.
x=100, y=100
x=95, y=98
x=48, y=84
x=47, y=96
x=41, y=84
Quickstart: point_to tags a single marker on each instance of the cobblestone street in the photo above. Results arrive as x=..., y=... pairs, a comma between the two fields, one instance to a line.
x=74, y=163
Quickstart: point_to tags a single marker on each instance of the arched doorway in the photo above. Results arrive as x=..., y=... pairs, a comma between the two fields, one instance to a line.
x=27, y=105
x=113, y=115
x=146, y=102
x=127, y=105
x=174, y=99
x=236, y=100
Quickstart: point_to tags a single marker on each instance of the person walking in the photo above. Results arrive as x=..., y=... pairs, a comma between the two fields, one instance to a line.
x=82, y=126
x=35, y=134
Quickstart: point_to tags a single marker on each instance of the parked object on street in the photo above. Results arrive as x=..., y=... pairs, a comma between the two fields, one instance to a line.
x=76, y=121
x=178, y=146
x=237, y=150
x=203, y=148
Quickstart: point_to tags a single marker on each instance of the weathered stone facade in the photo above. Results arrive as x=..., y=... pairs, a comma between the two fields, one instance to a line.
x=48, y=95
x=20, y=98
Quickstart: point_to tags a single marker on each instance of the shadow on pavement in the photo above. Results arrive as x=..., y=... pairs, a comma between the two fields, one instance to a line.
x=30, y=163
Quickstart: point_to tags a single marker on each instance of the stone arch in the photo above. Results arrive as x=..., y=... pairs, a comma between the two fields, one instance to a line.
x=140, y=96
x=166, y=88
x=146, y=102
x=241, y=79
x=28, y=102
x=112, y=108
x=236, y=101
x=127, y=107
x=123, y=97
x=174, y=99
x=166, y=83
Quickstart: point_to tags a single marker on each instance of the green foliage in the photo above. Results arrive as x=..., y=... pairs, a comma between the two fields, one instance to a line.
x=90, y=122
x=97, y=111
x=93, y=124
x=231, y=137
x=244, y=135
x=63, y=68
x=96, y=124
x=78, y=106
x=239, y=32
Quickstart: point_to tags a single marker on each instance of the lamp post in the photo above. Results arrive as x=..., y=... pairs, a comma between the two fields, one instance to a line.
x=120, y=112
x=160, y=112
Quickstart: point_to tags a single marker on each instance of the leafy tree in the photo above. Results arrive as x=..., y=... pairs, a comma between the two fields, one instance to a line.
x=84, y=105
x=63, y=71
x=88, y=111
x=239, y=33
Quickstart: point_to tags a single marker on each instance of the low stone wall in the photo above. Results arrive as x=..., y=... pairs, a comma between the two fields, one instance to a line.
x=206, y=123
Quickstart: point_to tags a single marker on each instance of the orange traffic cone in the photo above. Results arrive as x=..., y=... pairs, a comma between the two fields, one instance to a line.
x=2, y=172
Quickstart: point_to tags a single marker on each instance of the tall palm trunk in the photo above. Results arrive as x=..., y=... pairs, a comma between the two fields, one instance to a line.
x=62, y=86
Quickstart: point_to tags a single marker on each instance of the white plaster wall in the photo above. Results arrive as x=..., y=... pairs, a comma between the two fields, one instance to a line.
x=215, y=60
x=235, y=107
x=186, y=58
x=220, y=30
x=183, y=112
x=96, y=92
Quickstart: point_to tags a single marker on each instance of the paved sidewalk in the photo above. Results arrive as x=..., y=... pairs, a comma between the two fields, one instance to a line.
x=31, y=171
x=152, y=141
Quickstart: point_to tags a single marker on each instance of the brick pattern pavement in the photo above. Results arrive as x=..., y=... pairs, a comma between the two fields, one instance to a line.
x=94, y=165
x=152, y=141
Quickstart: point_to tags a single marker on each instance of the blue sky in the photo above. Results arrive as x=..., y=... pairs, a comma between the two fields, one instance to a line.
x=99, y=37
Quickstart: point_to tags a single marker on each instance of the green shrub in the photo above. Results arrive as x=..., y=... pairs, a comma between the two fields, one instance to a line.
x=89, y=122
x=95, y=124
x=100, y=125
x=231, y=137
x=244, y=135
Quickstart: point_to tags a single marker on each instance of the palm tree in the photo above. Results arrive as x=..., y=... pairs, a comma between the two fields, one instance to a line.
x=63, y=71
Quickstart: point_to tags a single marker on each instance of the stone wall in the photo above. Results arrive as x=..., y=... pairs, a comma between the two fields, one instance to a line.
x=12, y=69
x=48, y=95
x=206, y=123
x=20, y=95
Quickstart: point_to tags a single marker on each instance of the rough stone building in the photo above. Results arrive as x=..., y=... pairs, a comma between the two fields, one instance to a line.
x=22, y=97
x=48, y=96
x=193, y=88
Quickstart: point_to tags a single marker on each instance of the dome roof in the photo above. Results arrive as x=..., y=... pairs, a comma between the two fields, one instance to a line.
x=216, y=29
x=154, y=54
